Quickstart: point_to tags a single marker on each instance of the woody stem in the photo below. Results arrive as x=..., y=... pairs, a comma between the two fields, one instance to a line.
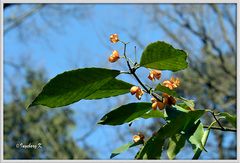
x=219, y=128
x=132, y=71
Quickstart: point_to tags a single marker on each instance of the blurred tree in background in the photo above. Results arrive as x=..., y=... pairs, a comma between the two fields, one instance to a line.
x=206, y=31
x=50, y=129
x=211, y=77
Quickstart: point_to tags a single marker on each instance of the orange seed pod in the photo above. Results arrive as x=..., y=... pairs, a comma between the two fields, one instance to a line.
x=114, y=38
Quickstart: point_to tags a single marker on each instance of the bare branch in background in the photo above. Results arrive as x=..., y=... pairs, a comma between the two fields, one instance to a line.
x=214, y=63
x=19, y=20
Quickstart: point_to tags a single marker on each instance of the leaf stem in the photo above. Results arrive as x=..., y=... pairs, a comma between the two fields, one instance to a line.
x=125, y=72
x=135, y=54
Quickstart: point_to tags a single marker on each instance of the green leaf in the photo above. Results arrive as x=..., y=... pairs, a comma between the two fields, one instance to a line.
x=174, y=112
x=153, y=147
x=204, y=141
x=114, y=87
x=125, y=113
x=166, y=90
x=72, y=86
x=124, y=148
x=163, y=56
x=196, y=138
x=176, y=143
x=193, y=134
x=230, y=118
x=153, y=114
x=189, y=103
x=190, y=125
x=184, y=106
x=182, y=122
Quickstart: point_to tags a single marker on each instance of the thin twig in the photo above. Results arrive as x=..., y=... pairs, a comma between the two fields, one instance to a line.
x=217, y=120
x=219, y=128
x=21, y=18
x=132, y=71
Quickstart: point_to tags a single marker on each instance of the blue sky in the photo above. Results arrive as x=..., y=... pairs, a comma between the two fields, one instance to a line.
x=84, y=42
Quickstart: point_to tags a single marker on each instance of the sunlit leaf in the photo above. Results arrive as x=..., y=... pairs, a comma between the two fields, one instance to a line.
x=164, y=89
x=124, y=148
x=176, y=143
x=153, y=114
x=189, y=103
x=198, y=151
x=163, y=56
x=230, y=118
x=196, y=138
x=152, y=149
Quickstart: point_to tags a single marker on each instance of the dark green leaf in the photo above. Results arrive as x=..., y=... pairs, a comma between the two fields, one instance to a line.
x=124, y=148
x=114, y=87
x=153, y=147
x=72, y=86
x=174, y=112
x=162, y=56
x=189, y=116
x=230, y=118
x=182, y=122
x=153, y=114
x=193, y=134
x=176, y=143
x=125, y=113
x=166, y=90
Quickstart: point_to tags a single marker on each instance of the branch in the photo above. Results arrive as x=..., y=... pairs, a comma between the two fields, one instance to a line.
x=222, y=26
x=132, y=71
x=204, y=38
x=205, y=75
x=219, y=128
x=21, y=18
x=217, y=120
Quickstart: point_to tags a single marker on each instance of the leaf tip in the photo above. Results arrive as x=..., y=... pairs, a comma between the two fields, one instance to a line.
x=101, y=122
x=113, y=155
x=30, y=105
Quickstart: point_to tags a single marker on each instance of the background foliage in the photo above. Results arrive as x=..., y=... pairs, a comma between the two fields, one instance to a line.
x=38, y=33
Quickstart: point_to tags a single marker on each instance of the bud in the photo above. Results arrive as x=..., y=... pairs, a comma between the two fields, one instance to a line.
x=114, y=38
x=171, y=100
x=154, y=105
x=172, y=83
x=165, y=95
x=141, y=135
x=154, y=74
x=134, y=89
x=153, y=100
x=115, y=54
x=138, y=91
x=114, y=57
x=160, y=105
x=138, y=137
x=157, y=104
